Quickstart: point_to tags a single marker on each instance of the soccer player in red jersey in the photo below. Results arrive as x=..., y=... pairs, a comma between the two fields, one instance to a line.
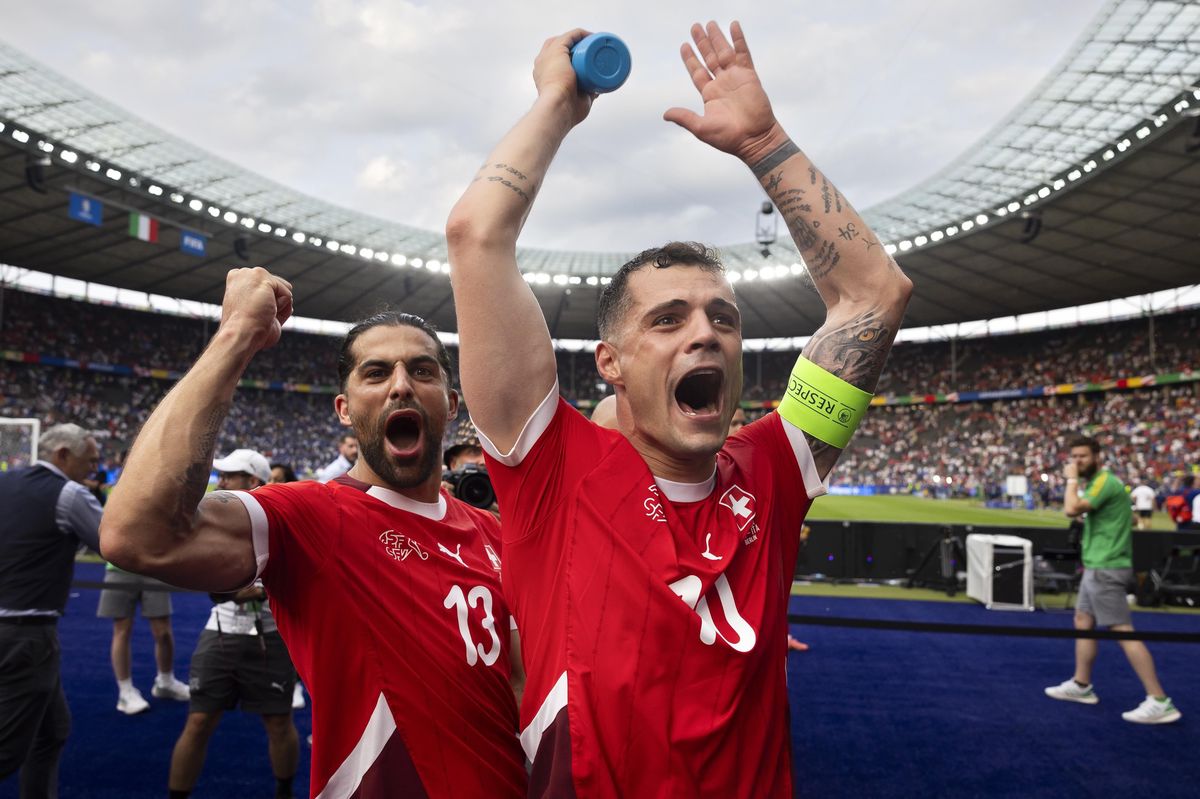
x=385, y=589
x=649, y=567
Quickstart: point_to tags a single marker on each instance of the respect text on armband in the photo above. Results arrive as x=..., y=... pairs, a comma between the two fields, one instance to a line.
x=817, y=400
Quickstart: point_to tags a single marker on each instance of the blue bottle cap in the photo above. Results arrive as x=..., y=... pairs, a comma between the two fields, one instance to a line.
x=601, y=63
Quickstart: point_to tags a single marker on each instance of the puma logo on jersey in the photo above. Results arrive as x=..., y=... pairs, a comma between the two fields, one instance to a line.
x=741, y=503
x=707, y=553
x=455, y=554
x=400, y=546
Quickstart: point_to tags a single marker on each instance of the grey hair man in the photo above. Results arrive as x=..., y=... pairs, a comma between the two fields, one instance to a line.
x=47, y=514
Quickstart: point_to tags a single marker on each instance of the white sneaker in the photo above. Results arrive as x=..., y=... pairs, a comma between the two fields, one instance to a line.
x=1153, y=711
x=171, y=689
x=1070, y=691
x=298, y=702
x=132, y=702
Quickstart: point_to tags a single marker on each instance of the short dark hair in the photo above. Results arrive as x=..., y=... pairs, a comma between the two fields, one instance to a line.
x=1085, y=441
x=395, y=319
x=342, y=438
x=459, y=449
x=289, y=474
x=614, y=299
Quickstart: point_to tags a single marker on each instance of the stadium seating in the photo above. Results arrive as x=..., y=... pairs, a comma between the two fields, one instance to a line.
x=960, y=449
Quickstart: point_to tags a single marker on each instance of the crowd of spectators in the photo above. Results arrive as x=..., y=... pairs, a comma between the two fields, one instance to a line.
x=961, y=449
x=969, y=449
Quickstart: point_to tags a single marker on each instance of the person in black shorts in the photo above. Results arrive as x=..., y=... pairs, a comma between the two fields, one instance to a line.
x=239, y=660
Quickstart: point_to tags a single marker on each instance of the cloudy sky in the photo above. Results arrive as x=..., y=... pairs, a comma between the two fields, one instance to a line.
x=388, y=106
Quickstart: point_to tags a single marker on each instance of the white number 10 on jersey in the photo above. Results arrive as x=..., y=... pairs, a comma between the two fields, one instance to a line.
x=459, y=601
x=688, y=589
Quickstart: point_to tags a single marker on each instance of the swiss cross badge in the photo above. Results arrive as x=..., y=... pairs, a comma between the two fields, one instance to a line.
x=741, y=503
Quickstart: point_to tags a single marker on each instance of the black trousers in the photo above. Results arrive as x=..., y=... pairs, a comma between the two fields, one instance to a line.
x=34, y=718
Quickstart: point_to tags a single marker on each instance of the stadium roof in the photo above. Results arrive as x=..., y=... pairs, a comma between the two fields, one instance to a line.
x=1088, y=190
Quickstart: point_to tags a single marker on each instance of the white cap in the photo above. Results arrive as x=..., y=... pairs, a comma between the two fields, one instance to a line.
x=247, y=461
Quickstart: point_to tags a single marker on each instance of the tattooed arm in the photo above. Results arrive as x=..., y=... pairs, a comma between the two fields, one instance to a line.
x=158, y=521
x=506, y=356
x=865, y=292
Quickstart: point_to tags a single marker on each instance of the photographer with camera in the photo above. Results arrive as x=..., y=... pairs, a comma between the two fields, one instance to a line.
x=466, y=477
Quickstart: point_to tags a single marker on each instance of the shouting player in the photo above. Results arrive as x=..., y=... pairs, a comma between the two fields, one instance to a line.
x=649, y=567
x=385, y=590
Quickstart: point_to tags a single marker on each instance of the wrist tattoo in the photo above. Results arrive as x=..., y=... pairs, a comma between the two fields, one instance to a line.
x=773, y=159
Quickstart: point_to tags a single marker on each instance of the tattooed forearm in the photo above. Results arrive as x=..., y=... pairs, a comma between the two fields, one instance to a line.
x=512, y=170
x=825, y=260
x=194, y=481
x=855, y=350
x=773, y=159
x=773, y=183
x=509, y=184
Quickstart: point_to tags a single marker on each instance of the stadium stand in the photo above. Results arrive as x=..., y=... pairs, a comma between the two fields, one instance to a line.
x=945, y=449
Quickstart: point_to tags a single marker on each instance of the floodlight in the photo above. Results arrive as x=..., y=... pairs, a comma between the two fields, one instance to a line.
x=196, y=205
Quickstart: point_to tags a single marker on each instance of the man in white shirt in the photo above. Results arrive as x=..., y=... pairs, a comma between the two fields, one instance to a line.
x=347, y=455
x=1142, y=498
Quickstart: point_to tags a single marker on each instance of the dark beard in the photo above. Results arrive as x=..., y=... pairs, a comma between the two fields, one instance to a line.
x=372, y=449
x=1089, y=472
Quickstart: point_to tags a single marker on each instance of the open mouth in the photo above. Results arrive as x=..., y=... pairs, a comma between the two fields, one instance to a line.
x=699, y=392
x=403, y=432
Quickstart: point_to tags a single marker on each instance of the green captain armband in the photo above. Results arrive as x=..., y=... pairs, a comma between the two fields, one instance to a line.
x=822, y=404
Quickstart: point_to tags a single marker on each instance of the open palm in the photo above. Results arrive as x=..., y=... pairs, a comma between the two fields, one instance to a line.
x=737, y=113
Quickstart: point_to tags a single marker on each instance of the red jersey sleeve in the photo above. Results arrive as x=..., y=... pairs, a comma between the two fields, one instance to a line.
x=293, y=526
x=780, y=447
x=555, y=451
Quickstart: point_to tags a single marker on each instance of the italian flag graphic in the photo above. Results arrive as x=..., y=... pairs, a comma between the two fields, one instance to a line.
x=143, y=227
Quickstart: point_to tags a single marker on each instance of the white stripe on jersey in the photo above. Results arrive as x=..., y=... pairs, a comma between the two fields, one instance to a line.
x=556, y=700
x=258, y=530
x=530, y=433
x=378, y=731
x=804, y=459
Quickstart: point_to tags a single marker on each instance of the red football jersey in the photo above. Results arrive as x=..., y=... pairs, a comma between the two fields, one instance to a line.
x=392, y=612
x=653, y=614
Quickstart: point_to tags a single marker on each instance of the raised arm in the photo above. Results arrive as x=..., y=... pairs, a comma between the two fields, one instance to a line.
x=506, y=357
x=158, y=521
x=865, y=292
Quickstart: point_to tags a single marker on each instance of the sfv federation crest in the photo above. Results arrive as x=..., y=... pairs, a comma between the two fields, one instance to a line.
x=741, y=503
x=400, y=546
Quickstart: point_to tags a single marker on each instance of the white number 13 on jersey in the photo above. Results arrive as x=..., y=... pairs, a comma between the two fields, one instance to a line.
x=688, y=589
x=459, y=601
